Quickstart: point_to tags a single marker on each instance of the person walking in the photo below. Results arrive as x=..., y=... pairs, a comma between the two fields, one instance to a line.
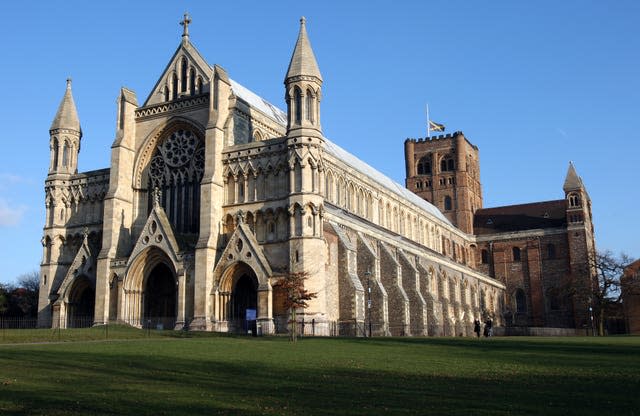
x=476, y=327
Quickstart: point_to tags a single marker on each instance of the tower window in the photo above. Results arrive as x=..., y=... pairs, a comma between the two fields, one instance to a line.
x=447, y=203
x=424, y=166
x=309, y=109
x=484, y=256
x=298, y=104
x=447, y=164
x=55, y=153
x=516, y=253
x=65, y=153
x=574, y=200
x=551, y=251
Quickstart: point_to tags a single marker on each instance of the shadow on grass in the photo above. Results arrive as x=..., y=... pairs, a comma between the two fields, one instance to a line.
x=338, y=377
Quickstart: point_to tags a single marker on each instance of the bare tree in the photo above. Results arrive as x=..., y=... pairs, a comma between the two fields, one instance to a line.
x=24, y=296
x=607, y=291
x=295, y=297
x=30, y=281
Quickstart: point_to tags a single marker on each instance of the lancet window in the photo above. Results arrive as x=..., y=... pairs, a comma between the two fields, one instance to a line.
x=176, y=170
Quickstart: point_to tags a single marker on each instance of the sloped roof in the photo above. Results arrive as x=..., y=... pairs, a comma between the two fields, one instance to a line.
x=382, y=179
x=259, y=103
x=303, y=61
x=536, y=215
x=378, y=177
x=67, y=115
x=572, y=180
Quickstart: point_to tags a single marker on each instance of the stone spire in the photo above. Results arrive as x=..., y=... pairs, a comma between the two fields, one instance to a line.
x=572, y=181
x=303, y=61
x=67, y=115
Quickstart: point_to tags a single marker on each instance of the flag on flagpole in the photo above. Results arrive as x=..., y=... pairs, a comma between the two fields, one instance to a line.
x=433, y=126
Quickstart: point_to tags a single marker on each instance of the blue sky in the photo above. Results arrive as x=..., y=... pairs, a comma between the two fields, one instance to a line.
x=532, y=84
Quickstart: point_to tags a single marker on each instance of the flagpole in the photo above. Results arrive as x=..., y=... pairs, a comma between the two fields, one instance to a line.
x=428, y=124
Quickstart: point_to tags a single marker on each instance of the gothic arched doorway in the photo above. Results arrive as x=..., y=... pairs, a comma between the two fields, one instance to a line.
x=244, y=299
x=81, y=304
x=160, y=298
x=239, y=298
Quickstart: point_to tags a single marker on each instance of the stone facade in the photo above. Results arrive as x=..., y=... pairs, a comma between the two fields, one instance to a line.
x=539, y=251
x=213, y=195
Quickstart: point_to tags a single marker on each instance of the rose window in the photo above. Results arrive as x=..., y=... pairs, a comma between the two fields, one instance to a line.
x=176, y=170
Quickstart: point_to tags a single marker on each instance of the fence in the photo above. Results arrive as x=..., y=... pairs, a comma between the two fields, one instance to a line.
x=280, y=325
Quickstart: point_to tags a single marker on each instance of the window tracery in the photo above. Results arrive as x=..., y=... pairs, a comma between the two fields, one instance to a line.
x=176, y=169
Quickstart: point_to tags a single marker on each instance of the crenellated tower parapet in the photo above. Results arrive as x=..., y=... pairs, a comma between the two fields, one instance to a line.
x=445, y=170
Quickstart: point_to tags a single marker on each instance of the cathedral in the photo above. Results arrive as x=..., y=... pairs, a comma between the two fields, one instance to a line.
x=214, y=195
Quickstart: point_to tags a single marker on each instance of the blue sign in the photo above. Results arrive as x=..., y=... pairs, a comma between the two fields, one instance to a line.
x=250, y=315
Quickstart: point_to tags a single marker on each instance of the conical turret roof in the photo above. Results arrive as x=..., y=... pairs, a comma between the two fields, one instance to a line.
x=303, y=61
x=67, y=115
x=572, y=181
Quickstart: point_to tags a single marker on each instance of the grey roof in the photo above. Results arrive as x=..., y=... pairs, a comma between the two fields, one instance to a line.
x=572, y=180
x=382, y=179
x=535, y=215
x=378, y=177
x=303, y=61
x=67, y=115
x=259, y=103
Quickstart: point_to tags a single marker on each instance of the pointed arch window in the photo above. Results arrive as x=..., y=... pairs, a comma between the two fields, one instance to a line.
x=55, y=153
x=176, y=170
x=192, y=81
x=174, y=87
x=65, y=154
x=309, y=106
x=183, y=75
x=297, y=98
x=166, y=93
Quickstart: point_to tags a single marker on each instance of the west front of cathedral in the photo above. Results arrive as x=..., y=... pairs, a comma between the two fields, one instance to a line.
x=214, y=195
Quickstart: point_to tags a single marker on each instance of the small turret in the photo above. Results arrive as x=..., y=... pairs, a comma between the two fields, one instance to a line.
x=65, y=134
x=303, y=89
x=578, y=202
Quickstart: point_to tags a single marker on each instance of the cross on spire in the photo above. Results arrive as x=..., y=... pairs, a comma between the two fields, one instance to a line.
x=185, y=24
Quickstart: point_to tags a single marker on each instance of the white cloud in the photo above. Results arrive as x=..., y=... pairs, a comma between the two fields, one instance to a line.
x=10, y=216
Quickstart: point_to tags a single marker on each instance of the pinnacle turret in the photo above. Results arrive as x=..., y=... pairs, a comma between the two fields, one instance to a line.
x=572, y=180
x=67, y=115
x=303, y=61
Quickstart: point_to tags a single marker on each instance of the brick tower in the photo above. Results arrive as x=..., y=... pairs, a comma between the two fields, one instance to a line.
x=581, y=246
x=445, y=170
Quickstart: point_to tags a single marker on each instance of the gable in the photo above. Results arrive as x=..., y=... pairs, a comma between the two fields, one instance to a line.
x=157, y=232
x=83, y=265
x=186, y=53
x=243, y=247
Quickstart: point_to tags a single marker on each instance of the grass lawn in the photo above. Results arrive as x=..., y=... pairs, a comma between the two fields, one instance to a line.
x=207, y=375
